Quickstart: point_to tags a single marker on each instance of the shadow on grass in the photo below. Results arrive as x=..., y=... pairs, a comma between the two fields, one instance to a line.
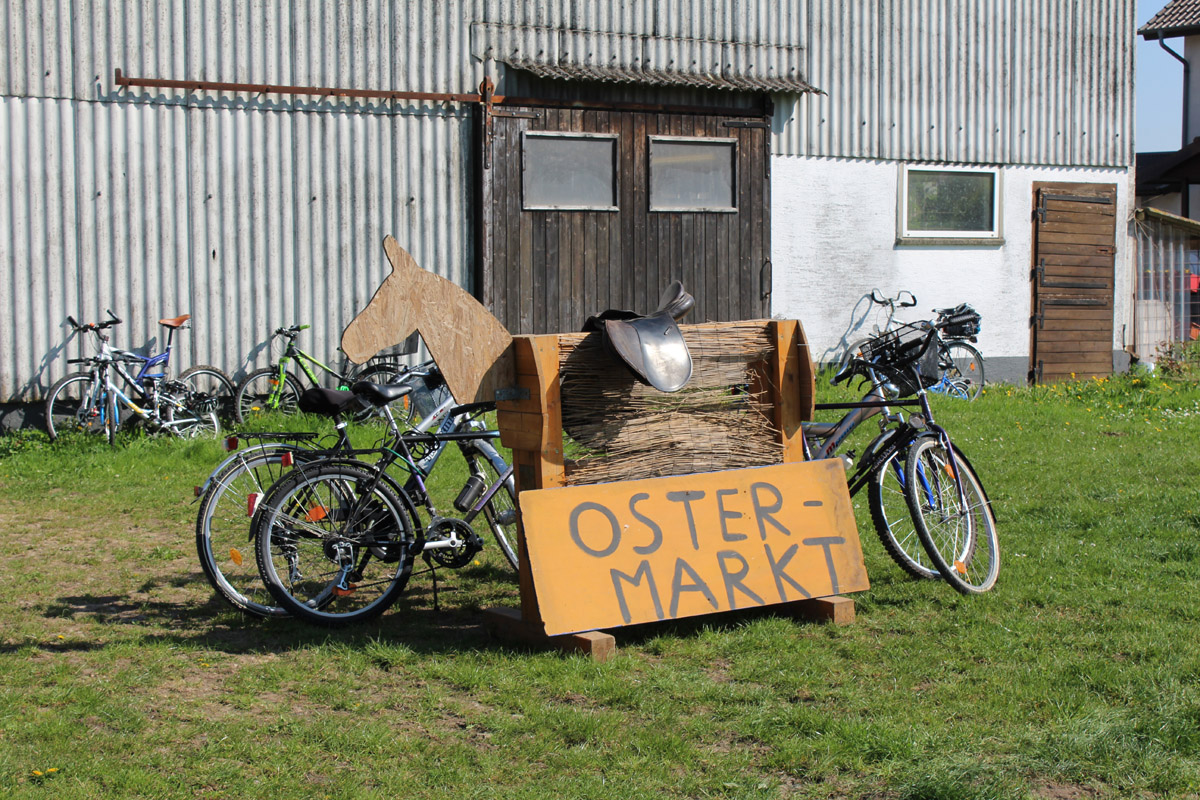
x=451, y=622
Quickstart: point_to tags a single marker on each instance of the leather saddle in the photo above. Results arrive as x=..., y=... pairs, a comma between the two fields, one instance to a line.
x=651, y=345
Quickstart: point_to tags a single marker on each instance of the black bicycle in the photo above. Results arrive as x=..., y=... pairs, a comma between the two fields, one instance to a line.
x=338, y=536
x=927, y=504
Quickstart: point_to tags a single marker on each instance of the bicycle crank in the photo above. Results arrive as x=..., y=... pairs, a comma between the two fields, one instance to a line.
x=451, y=542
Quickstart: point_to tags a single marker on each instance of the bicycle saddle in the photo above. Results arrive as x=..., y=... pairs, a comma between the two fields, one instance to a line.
x=652, y=346
x=380, y=394
x=175, y=322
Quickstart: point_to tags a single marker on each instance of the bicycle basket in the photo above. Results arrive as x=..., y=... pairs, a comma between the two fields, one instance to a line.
x=897, y=351
x=961, y=322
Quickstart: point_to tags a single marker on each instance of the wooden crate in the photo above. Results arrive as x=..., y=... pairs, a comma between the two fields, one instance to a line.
x=532, y=427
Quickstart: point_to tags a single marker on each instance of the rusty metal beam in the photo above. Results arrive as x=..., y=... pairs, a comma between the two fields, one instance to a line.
x=319, y=91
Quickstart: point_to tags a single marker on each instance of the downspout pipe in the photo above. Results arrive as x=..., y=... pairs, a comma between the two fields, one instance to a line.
x=1185, y=192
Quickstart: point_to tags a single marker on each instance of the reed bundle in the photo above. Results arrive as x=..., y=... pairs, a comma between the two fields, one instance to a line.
x=618, y=428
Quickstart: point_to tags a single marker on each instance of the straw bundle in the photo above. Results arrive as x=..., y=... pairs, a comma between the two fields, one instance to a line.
x=620, y=429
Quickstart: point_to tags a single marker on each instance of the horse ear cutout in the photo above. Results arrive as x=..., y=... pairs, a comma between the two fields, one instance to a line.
x=471, y=347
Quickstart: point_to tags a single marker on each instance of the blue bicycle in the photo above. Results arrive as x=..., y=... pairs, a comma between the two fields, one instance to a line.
x=120, y=385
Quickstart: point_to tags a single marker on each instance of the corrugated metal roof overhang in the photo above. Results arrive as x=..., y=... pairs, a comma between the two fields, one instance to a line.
x=634, y=58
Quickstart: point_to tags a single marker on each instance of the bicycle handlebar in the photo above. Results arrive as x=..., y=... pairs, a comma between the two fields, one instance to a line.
x=290, y=331
x=112, y=320
x=898, y=300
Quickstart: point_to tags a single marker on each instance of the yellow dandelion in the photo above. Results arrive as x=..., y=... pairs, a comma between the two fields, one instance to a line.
x=52, y=770
x=37, y=772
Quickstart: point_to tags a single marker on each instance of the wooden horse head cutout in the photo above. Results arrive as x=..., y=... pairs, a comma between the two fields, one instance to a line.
x=470, y=346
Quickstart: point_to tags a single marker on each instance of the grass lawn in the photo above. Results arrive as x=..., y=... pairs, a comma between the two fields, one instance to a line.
x=1077, y=677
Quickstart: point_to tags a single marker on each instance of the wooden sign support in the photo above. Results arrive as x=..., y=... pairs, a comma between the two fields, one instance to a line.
x=532, y=428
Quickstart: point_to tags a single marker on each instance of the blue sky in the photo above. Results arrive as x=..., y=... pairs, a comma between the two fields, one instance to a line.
x=1159, y=88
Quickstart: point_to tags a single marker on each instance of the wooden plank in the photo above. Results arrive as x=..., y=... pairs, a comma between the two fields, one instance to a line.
x=1098, y=226
x=520, y=431
x=833, y=610
x=507, y=624
x=1052, y=324
x=1104, y=261
x=1097, y=240
x=1053, y=335
x=787, y=374
x=1068, y=249
x=1066, y=348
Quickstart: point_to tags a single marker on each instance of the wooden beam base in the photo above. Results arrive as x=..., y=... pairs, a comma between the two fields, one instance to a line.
x=835, y=610
x=506, y=623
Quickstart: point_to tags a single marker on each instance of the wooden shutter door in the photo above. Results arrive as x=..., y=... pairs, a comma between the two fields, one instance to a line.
x=1073, y=256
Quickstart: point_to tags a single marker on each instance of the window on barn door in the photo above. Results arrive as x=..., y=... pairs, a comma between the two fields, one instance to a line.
x=569, y=172
x=692, y=174
x=949, y=203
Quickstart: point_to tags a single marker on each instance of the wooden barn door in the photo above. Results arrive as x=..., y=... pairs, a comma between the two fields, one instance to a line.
x=1073, y=255
x=585, y=210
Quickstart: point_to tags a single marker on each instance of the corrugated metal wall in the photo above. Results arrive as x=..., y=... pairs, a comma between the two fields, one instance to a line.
x=1046, y=82
x=252, y=212
x=249, y=212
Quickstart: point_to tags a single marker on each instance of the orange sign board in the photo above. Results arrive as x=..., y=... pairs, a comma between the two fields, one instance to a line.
x=621, y=553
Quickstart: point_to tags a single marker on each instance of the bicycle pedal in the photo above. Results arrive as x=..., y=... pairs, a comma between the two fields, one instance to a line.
x=339, y=592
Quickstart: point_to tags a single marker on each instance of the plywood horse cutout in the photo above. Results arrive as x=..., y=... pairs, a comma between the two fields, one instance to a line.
x=471, y=347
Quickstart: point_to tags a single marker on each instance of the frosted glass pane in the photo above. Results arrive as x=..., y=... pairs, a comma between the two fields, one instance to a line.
x=691, y=176
x=569, y=172
x=951, y=201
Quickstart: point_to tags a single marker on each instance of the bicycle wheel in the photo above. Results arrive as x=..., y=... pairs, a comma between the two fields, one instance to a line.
x=334, y=545
x=501, y=511
x=894, y=522
x=959, y=533
x=186, y=414
x=385, y=374
x=211, y=383
x=260, y=393
x=75, y=404
x=224, y=526
x=963, y=365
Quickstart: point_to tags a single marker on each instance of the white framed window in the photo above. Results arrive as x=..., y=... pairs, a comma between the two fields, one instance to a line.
x=693, y=174
x=568, y=171
x=949, y=203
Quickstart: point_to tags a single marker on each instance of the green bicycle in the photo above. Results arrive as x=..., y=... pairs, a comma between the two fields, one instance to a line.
x=276, y=390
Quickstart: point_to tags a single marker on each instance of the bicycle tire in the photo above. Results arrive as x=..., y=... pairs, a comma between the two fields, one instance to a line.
x=212, y=383
x=967, y=366
x=74, y=406
x=252, y=397
x=893, y=520
x=960, y=539
x=322, y=530
x=501, y=510
x=225, y=526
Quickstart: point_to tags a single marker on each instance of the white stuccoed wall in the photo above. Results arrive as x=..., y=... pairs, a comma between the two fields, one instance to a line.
x=833, y=239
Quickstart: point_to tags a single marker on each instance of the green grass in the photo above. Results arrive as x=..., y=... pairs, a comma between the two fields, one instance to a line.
x=1077, y=677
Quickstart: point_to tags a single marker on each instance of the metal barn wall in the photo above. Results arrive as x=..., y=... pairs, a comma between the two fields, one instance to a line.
x=1033, y=82
x=249, y=212
x=252, y=212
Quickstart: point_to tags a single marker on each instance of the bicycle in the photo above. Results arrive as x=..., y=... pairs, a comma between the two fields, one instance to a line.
x=232, y=496
x=338, y=537
x=960, y=370
x=92, y=401
x=275, y=389
x=914, y=458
